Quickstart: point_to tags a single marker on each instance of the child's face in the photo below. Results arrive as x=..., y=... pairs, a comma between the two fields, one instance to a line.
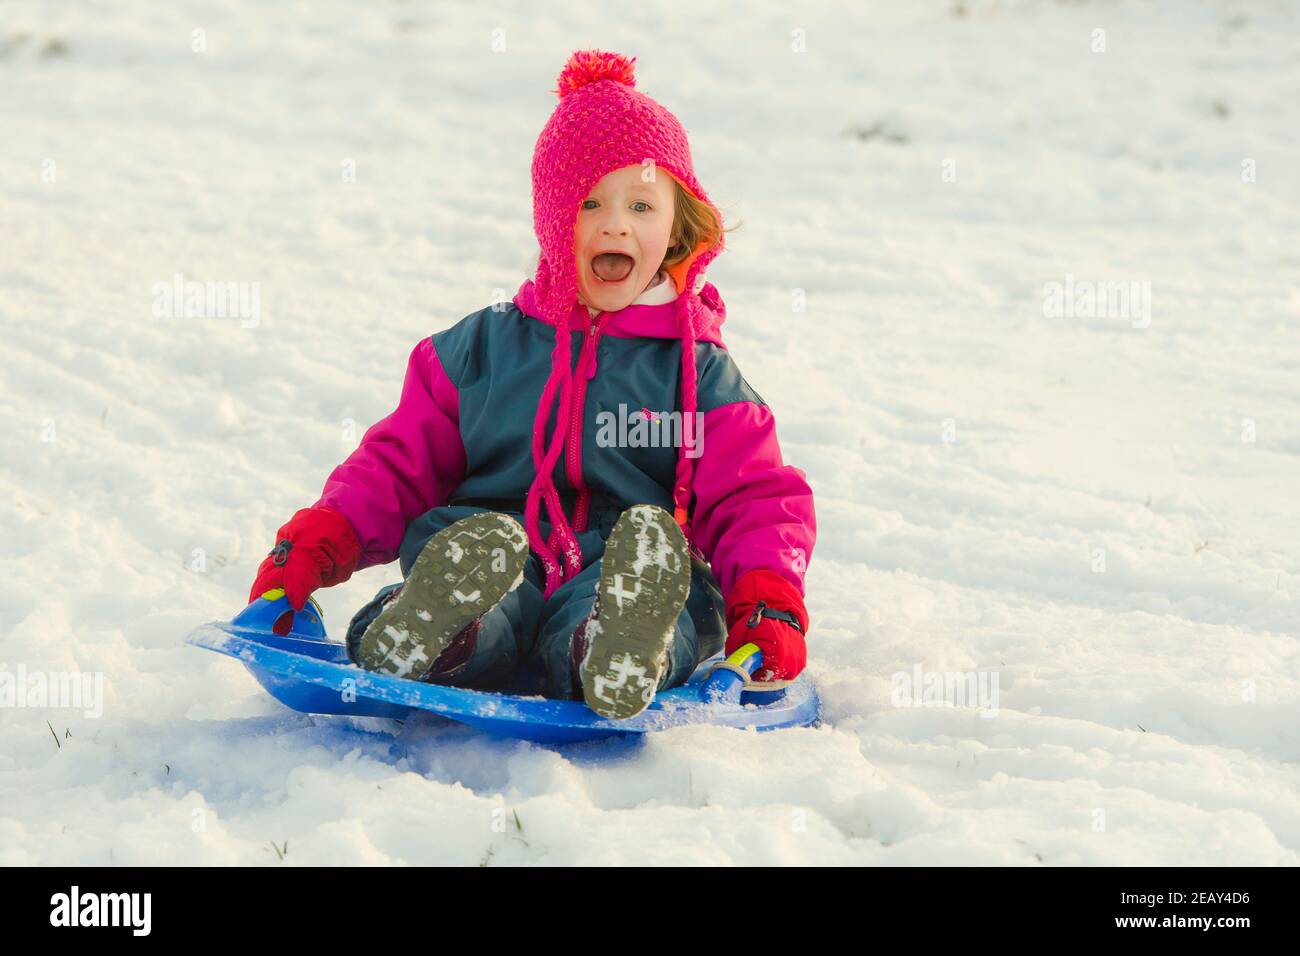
x=622, y=234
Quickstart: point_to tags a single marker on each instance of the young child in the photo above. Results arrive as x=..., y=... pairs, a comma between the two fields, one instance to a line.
x=671, y=529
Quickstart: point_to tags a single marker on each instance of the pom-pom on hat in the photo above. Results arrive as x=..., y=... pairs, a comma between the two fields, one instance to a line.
x=602, y=123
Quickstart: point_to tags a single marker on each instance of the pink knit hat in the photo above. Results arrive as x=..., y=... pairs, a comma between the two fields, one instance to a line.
x=600, y=125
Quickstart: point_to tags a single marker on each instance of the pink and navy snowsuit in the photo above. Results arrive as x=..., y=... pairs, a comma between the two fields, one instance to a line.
x=458, y=443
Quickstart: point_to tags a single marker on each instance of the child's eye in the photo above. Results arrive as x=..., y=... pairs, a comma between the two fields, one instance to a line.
x=638, y=206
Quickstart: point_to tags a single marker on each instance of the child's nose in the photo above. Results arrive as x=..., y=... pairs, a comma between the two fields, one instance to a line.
x=614, y=224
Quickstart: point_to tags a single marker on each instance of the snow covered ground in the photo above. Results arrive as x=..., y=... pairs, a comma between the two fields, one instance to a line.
x=1098, y=513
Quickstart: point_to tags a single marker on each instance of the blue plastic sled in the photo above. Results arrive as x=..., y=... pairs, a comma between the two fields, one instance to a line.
x=305, y=671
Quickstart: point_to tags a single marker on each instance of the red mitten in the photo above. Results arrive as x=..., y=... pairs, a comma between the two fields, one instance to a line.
x=758, y=611
x=316, y=548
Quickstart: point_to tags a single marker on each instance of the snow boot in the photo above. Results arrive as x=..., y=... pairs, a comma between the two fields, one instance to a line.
x=463, y=572
x=645, y=578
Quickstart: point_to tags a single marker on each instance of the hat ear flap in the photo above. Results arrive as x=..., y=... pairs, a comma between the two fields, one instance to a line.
x=712, y=240
x=681, y=270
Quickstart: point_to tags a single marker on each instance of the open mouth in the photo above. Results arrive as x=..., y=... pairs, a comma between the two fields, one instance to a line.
x=612, y=267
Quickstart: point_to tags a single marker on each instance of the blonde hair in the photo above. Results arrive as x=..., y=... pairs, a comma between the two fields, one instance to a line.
x=693, y=223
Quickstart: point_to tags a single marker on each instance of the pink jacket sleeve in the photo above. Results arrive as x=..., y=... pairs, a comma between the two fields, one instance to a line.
x=406, y=463
x=751, y=510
